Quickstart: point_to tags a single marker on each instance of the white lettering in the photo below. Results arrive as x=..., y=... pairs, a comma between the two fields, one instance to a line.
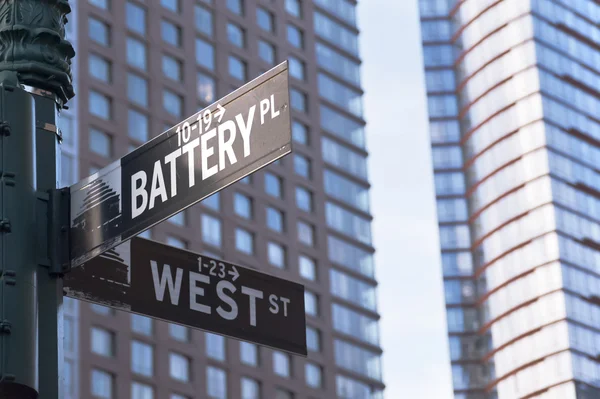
x=253, y=294
x=158, y=185
x=138, y=191
x=207, y=152
x=189, y=148
x=274, y=114
x=225, y=147
x=274, y=306
x=285, y=303
x=232, y=314
x=264, y=108
x=160, y=283
x=171, y=159
x=246, y=128
x=195, y=291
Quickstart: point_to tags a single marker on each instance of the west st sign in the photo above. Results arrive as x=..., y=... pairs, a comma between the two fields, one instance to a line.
x=241, y=133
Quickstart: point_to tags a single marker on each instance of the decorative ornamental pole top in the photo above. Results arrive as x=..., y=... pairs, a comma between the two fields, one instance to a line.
x=32, y=44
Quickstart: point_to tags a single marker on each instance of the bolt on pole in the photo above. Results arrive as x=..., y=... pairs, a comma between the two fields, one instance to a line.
x=35, y=84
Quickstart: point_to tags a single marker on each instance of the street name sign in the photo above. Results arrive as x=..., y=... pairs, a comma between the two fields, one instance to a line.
x=230, y=139
x=180, y=286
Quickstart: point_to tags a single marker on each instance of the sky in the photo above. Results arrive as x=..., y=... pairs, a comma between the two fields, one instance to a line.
x=413, y=324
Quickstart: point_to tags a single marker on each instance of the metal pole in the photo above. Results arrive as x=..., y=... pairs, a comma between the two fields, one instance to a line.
x=35, y=83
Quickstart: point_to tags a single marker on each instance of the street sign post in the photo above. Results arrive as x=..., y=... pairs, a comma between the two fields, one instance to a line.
x=180, y=286
x=239, y=134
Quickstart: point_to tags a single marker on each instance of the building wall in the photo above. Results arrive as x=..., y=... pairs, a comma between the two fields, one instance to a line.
x=512, y=89
x=320, y=191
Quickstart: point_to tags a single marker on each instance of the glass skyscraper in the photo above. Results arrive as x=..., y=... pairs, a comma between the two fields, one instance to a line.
x=514, y=117
x=144, y=65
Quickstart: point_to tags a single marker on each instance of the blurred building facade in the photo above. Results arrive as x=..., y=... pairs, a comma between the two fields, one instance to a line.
x=141, y=67
x=514, y=98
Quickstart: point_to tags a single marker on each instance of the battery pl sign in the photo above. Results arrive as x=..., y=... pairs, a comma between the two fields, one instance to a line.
x=172, y=284
x=241, y=133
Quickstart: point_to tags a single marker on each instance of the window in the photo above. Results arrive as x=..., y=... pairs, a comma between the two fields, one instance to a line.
x=337, y=64
x=250, y=388
x=248, y=353
x=102, y=384
x=344, y=158
x=137, y=124
x=306, y=234
x=141, y=358
x=172, y=5
x=178, y=219
x=342, y=126
x=102, y=342
x=179, y=333
x=141, y=324
x=216, y=383
x=179, y=367
x=297, y=68
x=176, y=242
x=276, y=254
x=311, y=303
x=141, y=391
x=351, y=289
x=314, y=375
x=177, y=396
x=274, y=219
x=170, y=33
x=69, y=327
x=236, y=6
x=137, y=89
x=68, y=377
x=313, y=339
x=206, y=88
x=304, y=199
x=299, y=132
x=99, y=105
x=103, y=4
x=136, y=53
x=171, y=68
x=100, y=143
x=346, y=190
x=99, y=68
x=204, y=20
x=265, y=19
x=302, y=166
x=236, y=35
x=135, y=18
x=293, y=7
x=308, y=268
x=244, y=241
x=346, y=10
x=242, y=205
x=273, y=185
x=172, y=103
x=205, y=54
x=336, y=33
x=266, y=51
x=298, y=100
x=99, y=32
x=103, y=310
x=215, y=346
x=349, y=388
x=341, y=95
x=349, y=322
x=237, y=68
x=283, y=394
x=356, y=359
x=211, y=230
x=213, y=202
x=281, y=364
x=295, y=36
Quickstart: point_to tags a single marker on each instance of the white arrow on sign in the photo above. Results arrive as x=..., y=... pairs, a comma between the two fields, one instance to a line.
x=234, y=273
x=220, y=112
